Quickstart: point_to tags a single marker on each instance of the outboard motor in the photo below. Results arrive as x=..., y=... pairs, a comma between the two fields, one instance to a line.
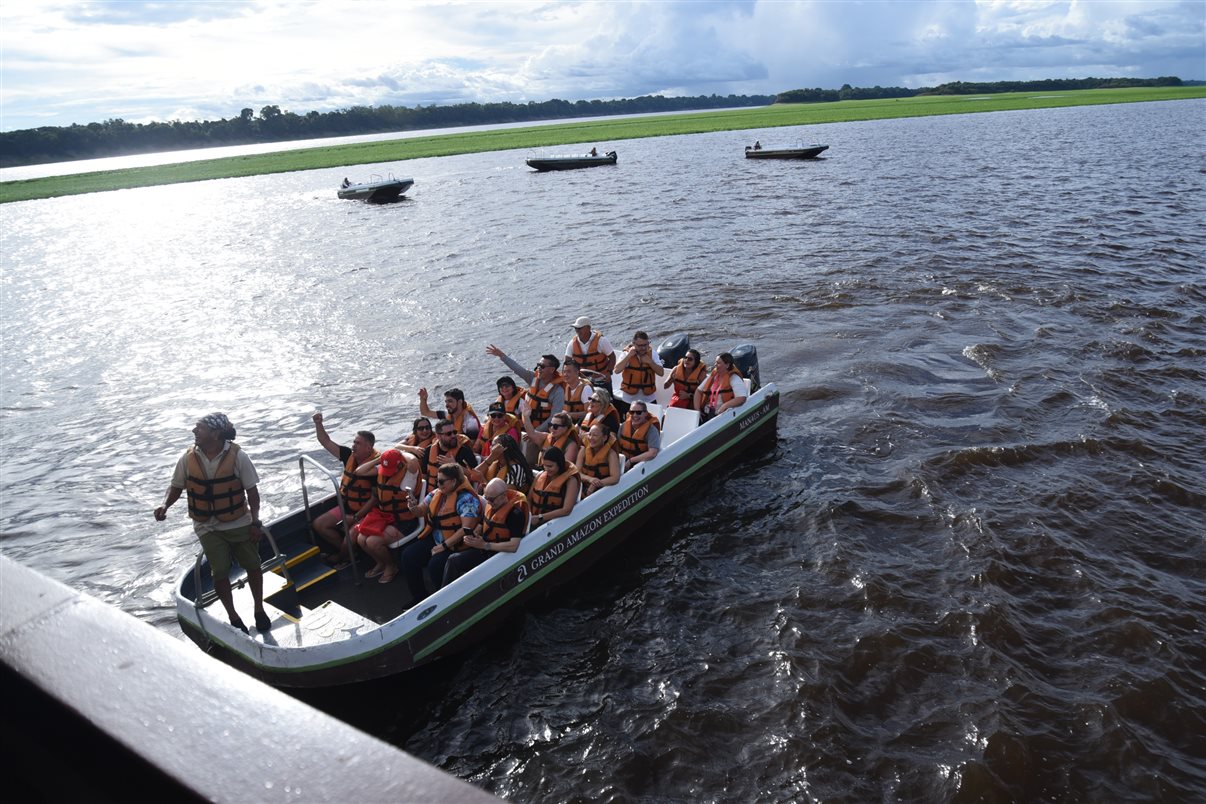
x=674, y=349
x=745, y=357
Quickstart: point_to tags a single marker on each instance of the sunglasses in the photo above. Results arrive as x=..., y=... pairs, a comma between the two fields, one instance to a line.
x=498, y=415
x=555, y=425
x=638, y=412
x=423, y=428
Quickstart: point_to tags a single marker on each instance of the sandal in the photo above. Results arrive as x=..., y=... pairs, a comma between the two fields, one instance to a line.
x=374, y=572
x=387, y=577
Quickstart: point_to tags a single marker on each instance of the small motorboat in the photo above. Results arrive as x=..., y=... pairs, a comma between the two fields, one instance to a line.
x=376, y=190
x=801, y=152
x=544, y=163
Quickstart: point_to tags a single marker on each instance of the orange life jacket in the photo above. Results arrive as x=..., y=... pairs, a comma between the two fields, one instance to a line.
x=494, y=428
x=573, y=398
x=633, y=440
x=548, y=494
x=442, y=517
x=638, y=379
x=413, y=440
x=571, y=435
x=494, y=526
x=595, y=462
x=392, y=496
x=221, y=496
x=720, y=389
x=512, y=404
x=356, y=489
x=589, y=356
x=590, y=420
x=684, y=383
x=538, y=399
x=437, y=458
x=458, y=421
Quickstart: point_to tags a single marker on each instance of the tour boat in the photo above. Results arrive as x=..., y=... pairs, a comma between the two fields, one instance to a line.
x=802, y=152
x=333, y=627
x=376, y=190
x=544, y=163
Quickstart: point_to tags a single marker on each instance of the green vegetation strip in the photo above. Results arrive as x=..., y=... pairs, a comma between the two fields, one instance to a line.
x=599, y=132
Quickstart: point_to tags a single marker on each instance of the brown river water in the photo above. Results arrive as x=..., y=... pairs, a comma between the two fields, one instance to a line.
x=972, y=568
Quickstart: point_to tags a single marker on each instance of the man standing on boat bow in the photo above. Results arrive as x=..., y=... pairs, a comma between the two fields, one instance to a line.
x=224, y=504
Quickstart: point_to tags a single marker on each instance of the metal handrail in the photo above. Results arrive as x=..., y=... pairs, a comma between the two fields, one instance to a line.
x=343, y=511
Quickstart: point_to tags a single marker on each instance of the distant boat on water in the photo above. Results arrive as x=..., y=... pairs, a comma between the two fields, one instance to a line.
x=801, y=152
x=546, y=163
x=377, y=190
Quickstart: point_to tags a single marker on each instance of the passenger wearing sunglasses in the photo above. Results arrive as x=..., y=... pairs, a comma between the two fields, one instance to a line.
x=562, y=434
x=546, y=392
x=498, y=422
x=686, y=376
x=452, y=510
x=640, y=438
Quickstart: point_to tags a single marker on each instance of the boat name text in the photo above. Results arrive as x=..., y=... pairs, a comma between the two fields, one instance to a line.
x=587, y=528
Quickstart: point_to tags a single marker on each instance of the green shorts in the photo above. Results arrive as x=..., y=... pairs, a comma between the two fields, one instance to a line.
x=221, y=545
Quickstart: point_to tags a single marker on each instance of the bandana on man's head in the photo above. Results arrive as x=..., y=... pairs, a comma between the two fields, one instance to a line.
x=219, y=422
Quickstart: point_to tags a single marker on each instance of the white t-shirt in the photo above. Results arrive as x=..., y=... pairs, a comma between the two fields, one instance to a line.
x=605, y=347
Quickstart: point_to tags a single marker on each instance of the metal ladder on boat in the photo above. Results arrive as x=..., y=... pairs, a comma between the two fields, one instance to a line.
x=285, y=598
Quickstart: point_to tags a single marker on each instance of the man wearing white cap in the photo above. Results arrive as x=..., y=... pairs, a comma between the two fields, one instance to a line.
x=591, y=350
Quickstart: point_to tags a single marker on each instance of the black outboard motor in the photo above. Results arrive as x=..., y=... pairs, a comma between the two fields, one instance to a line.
x=745, y=357
x=674, y=349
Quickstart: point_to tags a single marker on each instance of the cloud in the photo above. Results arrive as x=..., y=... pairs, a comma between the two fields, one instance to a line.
x=68, y=62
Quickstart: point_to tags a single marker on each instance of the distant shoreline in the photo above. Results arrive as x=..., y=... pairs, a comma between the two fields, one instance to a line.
x=600, y=132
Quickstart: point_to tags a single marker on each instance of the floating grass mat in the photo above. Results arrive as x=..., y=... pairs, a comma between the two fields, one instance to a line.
x=602, y=130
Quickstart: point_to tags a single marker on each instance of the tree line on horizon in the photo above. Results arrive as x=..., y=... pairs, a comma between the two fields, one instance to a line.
x=848, y=92
x=117, y=137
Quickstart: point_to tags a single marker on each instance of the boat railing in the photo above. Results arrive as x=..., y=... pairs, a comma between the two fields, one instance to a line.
x=204, y=598
x=343, y=511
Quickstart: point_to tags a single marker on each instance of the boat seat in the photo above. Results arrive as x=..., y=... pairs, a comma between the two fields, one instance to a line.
x=677, y=423
x=655, y=411
x=664, y=394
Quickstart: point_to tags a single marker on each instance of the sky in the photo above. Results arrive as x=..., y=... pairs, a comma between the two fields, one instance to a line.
x=82, y=62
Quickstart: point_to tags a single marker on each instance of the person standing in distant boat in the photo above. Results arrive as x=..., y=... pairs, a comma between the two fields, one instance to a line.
x=594, y=152
x=757, y=145
x=224, y=504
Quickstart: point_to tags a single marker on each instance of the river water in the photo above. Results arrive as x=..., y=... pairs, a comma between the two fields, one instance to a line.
x=971, y=568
